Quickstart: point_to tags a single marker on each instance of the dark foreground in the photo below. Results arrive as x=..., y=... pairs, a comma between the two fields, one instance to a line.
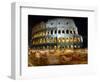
x=57, y=57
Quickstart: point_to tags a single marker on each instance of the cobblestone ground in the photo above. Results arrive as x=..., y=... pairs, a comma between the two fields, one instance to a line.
x=57, y=57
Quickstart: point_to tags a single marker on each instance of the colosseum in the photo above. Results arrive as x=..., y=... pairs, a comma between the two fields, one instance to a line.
x=56, y=33
x=56, y=42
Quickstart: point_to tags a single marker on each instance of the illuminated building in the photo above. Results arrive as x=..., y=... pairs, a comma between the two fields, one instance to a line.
x=56, y=33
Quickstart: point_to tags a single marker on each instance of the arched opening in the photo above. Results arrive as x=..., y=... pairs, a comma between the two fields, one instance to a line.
x=48, y=32
x=70, y=31
x=74, y=32
x=59, y=32
x=51, y=32
x=63, y=31
x=67, y=39
x=67, y=31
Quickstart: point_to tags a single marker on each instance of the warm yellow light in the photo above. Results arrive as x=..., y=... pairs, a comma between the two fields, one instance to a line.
x=59, y=40
x=74, y=46
x=43, y=41
x=40, y=40
x=43, y=34
x=71, y=46
x=55, y=40
x=58, y=46
x=78, y=39
x=47, y=40
x=75, y=39
x=63, y=39
x=33, y=42
x=55, y=47
x=71, y=39
x=67, y=39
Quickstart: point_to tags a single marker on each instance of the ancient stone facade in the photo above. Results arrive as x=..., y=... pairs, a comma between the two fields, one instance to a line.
x=56, y=33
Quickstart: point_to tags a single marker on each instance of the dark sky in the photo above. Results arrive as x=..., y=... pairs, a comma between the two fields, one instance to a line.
x=80, y=22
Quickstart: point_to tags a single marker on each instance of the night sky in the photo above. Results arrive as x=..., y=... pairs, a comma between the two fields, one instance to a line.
x=80, y=22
